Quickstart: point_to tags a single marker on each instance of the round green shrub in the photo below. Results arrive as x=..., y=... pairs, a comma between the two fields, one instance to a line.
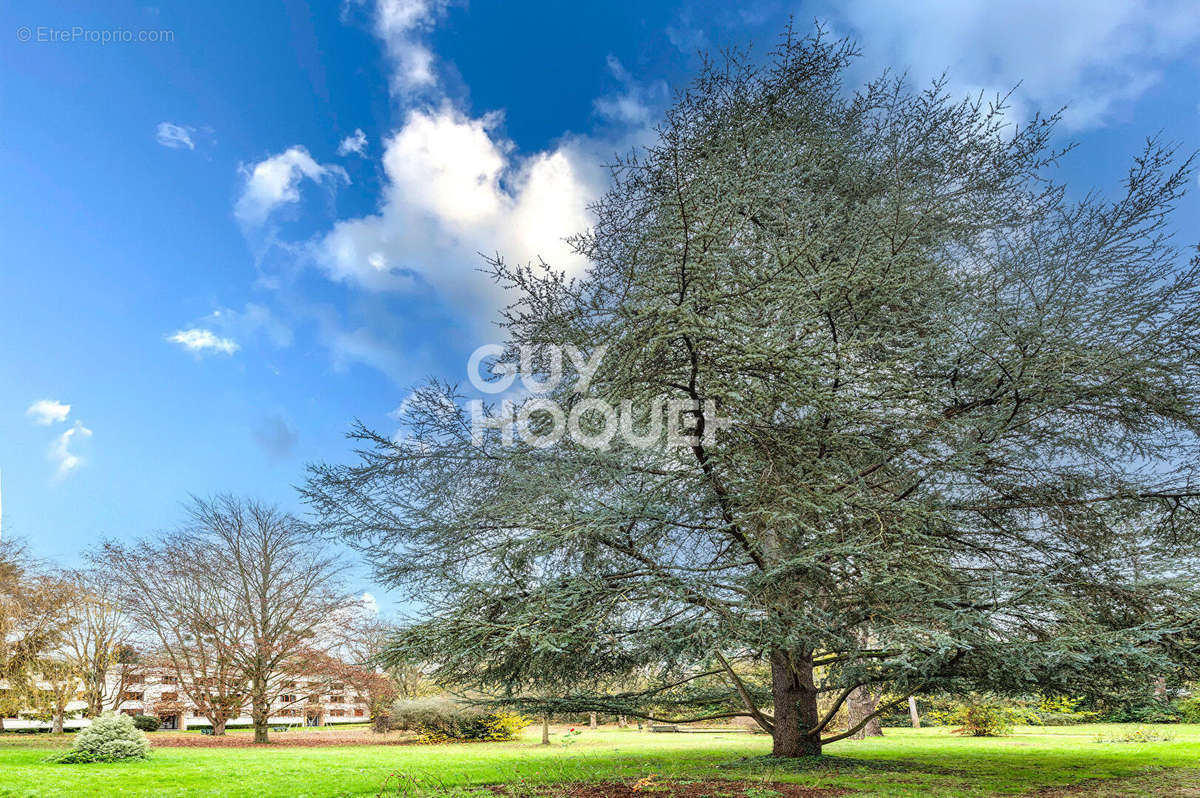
x=110, y=738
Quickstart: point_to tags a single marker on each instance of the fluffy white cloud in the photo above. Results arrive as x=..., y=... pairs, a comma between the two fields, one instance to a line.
x=399, y=24
x=60, y=452
x=1091, y=55
x=454, y=189
x=174, y=136
x=356, y=144
x=275, y=181
x=48, y=411
x=199, y=340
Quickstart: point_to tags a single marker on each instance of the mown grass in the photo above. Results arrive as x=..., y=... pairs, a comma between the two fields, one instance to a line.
x=929, y=763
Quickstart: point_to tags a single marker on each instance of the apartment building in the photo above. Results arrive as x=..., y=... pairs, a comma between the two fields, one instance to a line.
x=304, y=701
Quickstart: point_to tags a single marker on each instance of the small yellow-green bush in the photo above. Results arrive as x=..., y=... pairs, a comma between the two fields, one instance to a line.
x=980, y=716
x=444, y=720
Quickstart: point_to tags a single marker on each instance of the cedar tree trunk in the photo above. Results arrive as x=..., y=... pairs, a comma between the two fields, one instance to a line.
x=796, y=713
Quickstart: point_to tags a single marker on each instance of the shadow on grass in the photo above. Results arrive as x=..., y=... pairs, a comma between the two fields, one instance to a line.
x=826, y=764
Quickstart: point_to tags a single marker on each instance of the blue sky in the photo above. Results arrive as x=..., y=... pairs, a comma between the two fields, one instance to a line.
x=220, y=249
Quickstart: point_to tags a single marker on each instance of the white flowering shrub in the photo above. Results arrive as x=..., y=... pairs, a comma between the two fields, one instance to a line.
x=110, y=738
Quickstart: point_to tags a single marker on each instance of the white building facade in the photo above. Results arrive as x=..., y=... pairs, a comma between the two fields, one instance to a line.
x=314, y=701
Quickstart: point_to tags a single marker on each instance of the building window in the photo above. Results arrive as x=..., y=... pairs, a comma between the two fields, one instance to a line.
x=337, y=699
x=170, y=696
x=168, y=680
x=337, y=713
x=358, y=713
x=131, y=696
x=135, y=677
x=287, y=699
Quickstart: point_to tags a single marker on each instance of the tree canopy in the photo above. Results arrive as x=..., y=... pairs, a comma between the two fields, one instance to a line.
x=963, y=409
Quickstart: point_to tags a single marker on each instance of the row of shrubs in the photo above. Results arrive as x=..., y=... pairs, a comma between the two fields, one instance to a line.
x=146, y=723
x=984, y=715
x=439, y=720
x=114, y=737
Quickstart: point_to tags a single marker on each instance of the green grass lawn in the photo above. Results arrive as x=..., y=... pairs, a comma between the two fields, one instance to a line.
x=928, y=763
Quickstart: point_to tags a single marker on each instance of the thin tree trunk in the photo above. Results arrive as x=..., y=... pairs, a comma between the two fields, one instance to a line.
x=912, y=712
x=381, y=720
x=545, y=730
x=218, y=727
x=58, y=720
x=861, y=703
x=260, y=717
x=592, y=720
x=95, y=705
x=260, y=709
x=795, y=703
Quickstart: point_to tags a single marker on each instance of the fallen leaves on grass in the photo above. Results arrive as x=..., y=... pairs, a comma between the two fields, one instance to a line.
x=668, y=788
x=295, y=739
x=1173, y=782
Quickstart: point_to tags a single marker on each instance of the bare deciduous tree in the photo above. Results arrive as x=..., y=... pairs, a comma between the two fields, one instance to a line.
x=279, y=587
x=361, y=642
x=32, y=602
x=98, y=639
x=179, y=604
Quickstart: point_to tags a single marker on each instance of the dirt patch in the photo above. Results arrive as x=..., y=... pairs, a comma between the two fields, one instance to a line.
x=292, y=739
x=1175, y=782
x=668, y=788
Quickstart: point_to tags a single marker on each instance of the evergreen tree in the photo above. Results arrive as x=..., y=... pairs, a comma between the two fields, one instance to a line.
x=963, y=441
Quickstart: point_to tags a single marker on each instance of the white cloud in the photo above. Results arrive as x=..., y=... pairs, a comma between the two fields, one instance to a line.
x=251, y=320
x=275, y=181
x=636, y=105
x=175, y=136
x=356, y=144
x=1091, y=55
x=455, y=189
x=199, y=340
x=687, y=37
x=48, y=411
x=399, y=24
x=60, y=450
x=362, y=346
